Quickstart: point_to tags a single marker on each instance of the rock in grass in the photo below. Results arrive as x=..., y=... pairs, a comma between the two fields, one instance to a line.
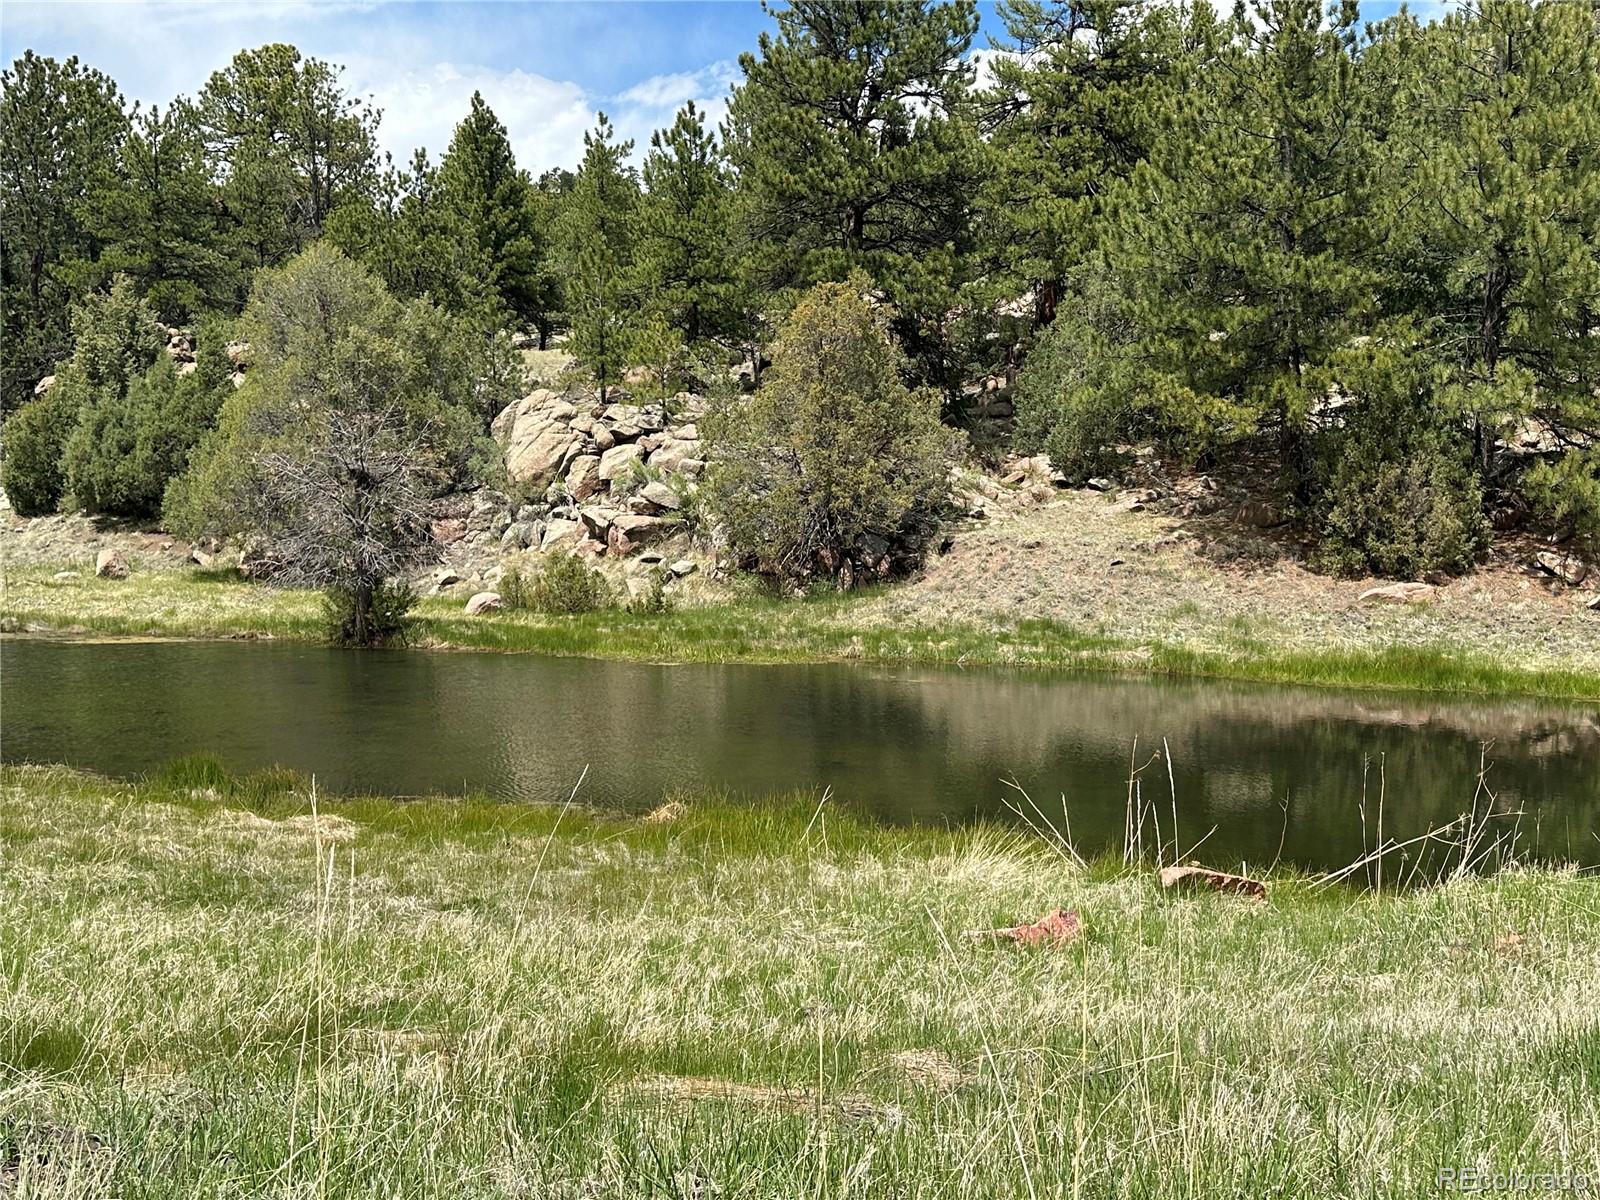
x=484, y=602
x=111, y=564
x=1568, y=568
x=1219, y=881
x=1398, y=593
x=1058, y=926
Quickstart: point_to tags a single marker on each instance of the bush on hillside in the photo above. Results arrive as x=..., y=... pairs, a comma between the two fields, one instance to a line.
x=832, y=449
x=1070, y=400
x=115, y=336
x=1397, y=495
x=1567, y=491
x=115, y=339
x=127, y=446
x=562, y=583
x=34, y=438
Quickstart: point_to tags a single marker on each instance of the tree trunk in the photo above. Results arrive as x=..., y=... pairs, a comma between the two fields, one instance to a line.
x=1046, y=295
x=1491, y=328
x=361, y=614
x=858, y=227
x=1296, y=457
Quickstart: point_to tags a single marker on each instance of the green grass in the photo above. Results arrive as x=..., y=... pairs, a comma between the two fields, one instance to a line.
x=823, y=628
x=206, y=994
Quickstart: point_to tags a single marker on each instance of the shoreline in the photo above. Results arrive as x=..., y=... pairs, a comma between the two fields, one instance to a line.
x=190, y=605
x=726, y=986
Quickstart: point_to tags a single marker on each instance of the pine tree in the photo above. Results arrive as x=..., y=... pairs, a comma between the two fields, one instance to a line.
x=1247, y=252
x=479, y=180
x=60, y=127
x=1079, y=98
x=1510, y=200
x=684, y=259
x=161, y=224
x=290, y=146
x=420, y=246
x=548, y=200
x=852, y=149
x=598, y=229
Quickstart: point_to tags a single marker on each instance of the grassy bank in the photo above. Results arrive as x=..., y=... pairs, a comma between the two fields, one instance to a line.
x=824, y=628
x=210, y=994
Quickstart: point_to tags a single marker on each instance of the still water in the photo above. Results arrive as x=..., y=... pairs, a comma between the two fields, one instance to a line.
x=1272, y=769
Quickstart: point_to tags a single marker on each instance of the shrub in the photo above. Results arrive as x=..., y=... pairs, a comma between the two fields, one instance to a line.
x=833, y=447
x=115, y=336
x=381, y=620
x=1396, y=494
x=115, y=340
x=35, y=436
x=563, y=583
x=514, y=590
x=1567, y=491
x=1071, y=401
x=131, y=443
x=653, y=601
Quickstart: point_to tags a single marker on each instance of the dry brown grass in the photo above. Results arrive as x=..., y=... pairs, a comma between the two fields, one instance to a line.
x=1085, y=560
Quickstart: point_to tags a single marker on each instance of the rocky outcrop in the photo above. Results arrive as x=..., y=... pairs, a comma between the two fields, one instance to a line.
x=484, y=602
x=537, y=441
x=603, y=479
x=659, y=496
x=583, y=476
x=633, y=530
x=548, y=435
x=111, y=564
x=617, y=460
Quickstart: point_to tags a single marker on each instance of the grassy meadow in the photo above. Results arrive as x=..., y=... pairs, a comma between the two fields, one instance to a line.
x=223, y=987
x=824, y=627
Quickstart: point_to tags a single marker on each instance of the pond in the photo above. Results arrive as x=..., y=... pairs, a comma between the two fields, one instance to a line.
x=1275, y=771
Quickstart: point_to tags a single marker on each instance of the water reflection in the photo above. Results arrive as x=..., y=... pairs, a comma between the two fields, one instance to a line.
x=1261, y=764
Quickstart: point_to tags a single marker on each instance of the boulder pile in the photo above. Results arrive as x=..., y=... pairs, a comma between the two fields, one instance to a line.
x=613, y=476
x=606, y=480
x=550, y=438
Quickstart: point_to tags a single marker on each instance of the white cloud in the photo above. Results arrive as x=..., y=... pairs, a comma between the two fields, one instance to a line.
x=420, y=70
x=421, y=107
x=546, y=118
x=983, y=66
x=654, y=103
x=673, y=91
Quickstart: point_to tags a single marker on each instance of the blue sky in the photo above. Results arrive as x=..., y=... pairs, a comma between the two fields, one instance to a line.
x=545, y=68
